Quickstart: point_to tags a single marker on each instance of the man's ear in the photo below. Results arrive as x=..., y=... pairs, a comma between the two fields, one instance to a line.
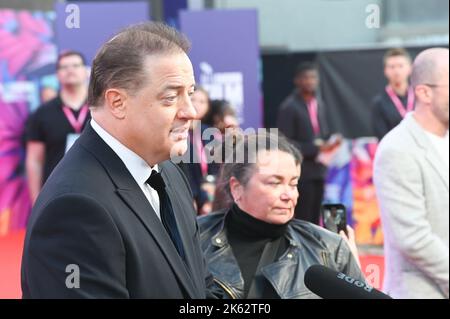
x=115, y=102
x=423, y=93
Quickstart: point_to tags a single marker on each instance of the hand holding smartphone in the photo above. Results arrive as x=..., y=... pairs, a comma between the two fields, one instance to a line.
x=334, y=217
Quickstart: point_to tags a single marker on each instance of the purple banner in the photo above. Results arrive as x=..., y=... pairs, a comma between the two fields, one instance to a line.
x=85, y=26
x=27, y=56
x=225, y=55
x=171, y=10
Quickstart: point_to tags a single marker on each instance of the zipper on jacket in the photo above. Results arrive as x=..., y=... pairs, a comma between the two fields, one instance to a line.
x=227, y=289
x=324, y=256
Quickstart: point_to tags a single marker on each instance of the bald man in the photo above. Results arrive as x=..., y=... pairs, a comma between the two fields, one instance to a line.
x=412, y=182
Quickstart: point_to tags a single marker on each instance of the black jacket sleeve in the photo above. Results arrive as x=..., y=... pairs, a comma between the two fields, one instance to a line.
x=74, y=232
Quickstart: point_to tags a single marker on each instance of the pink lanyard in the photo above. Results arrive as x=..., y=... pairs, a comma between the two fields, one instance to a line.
x=201, y=153
x=77, y=124
x=313, y=115
x=398, y=104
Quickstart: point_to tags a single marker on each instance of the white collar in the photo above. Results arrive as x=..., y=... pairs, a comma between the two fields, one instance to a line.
x=437, y=137
x=135, y=164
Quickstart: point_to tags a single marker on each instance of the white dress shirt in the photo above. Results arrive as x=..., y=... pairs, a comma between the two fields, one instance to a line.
x=441, y=145
x=137, y=167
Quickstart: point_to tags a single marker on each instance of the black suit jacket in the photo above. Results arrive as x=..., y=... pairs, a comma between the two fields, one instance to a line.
x=295, y=123
x=385, y=115
x=91, y=213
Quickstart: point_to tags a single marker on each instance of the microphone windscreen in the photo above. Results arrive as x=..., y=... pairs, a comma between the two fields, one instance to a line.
x=330, y=284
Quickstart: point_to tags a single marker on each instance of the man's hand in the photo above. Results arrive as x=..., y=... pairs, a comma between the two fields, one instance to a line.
x=35, y=167
x=329, y=149
x=334, y=142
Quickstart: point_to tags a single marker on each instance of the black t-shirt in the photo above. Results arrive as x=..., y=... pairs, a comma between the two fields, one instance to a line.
x=48, y=124
x=385, y=115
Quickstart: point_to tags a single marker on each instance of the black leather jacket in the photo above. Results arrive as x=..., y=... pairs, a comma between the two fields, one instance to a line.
x=308, y=245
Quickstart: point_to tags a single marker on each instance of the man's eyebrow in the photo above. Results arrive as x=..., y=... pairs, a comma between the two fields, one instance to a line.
x=176, y=87
x=171, y=87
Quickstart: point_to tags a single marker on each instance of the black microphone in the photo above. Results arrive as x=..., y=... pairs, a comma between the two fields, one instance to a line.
x=330, y=284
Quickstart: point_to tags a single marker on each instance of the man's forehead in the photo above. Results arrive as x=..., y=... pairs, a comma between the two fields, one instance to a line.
x=398, y=59
x=170, y=71
x=70, y=58
x=170, y=59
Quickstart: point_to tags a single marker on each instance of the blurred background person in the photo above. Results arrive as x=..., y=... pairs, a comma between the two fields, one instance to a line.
x=302, y=119
x=412, y=181
x=197, y=168
x=55, y=125
x=391, y=105
x=254, y=247
x=221, y=115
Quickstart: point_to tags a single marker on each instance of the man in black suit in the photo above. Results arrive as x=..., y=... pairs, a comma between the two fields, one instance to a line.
x=302, y=119
x=390, y=106
x=115, y=219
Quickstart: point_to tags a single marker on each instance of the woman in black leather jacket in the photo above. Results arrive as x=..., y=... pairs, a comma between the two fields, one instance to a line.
x=255, y=248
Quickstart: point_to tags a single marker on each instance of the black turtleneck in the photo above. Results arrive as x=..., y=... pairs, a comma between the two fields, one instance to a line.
x=248, y=237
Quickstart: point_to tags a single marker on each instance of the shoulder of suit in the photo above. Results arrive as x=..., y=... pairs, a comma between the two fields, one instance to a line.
x=399, y=139
x=67, y=198
x=289, y=102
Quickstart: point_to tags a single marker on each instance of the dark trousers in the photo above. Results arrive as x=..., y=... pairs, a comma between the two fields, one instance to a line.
x=310, y=200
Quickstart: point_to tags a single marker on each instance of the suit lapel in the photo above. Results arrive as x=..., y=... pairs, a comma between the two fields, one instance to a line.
x=303, y=109
x=130, y=192
x=320, y=114
x=182, y=223
x=431, y=154
x=143, y=210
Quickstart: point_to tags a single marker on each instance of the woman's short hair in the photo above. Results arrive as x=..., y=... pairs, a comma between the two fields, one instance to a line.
x=240, y=162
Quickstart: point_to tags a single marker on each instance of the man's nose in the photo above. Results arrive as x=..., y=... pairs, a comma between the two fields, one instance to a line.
x=188, y=110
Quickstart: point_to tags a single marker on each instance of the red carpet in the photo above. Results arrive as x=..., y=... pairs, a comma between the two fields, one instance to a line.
x=11, y=255
x=373, y=268
x=10, y=259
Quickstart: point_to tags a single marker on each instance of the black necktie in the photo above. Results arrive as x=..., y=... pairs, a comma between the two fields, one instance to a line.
x=167, y=215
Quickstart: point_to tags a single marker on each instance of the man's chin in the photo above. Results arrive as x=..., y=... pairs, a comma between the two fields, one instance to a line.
x=179, y=148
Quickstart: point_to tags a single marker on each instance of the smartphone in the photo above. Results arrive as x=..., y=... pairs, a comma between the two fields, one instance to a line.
x=334, y=217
